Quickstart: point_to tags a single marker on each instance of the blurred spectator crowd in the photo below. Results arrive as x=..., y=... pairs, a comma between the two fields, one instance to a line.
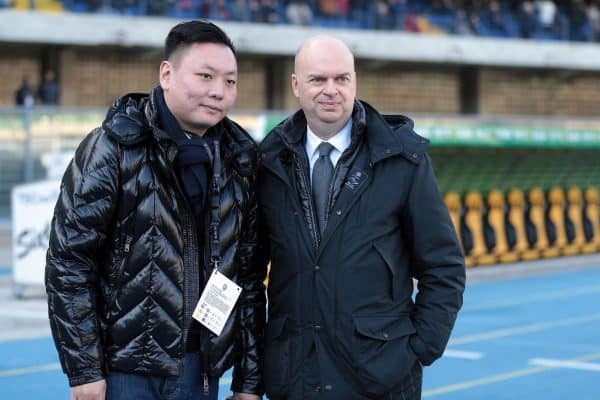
x=48, y=92
x=576, y=20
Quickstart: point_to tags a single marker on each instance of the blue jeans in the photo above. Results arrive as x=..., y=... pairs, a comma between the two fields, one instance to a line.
x=188, y=386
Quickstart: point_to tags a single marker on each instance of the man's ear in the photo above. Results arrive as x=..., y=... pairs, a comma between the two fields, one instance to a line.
x=295, y=85
x=164, y=74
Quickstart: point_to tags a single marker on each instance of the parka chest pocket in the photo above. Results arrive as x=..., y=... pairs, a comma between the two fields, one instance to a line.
x=277, y=356
x=389, y=251
x=382, y=352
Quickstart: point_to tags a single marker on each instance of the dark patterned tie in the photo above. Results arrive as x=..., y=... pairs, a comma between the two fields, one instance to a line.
x=321, y=181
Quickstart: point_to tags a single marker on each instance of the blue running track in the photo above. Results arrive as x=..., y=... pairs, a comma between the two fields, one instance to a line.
x=532, y=338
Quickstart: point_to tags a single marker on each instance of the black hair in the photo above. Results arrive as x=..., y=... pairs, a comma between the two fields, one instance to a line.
x=187, y=33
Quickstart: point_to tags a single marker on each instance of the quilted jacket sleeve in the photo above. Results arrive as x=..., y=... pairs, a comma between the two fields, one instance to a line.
x=82, y=215
x=247, y=374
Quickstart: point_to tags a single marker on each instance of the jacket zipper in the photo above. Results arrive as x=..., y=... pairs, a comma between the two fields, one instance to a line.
x=330, y=192
x=123, y=261
x=305, y=186
x=204, y=338
x=343, y=158
x=204, y=335
x=189, y=233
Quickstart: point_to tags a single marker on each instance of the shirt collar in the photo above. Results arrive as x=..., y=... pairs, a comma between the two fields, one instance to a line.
x=340, y=141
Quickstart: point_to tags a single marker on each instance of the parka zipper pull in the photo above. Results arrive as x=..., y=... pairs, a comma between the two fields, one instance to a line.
x=205, y=384
x=127, y=244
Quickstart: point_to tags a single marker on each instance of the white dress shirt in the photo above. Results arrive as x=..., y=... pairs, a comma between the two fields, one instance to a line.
x=340, y=142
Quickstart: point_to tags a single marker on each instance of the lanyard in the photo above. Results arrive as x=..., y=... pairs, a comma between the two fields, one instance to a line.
x=215, y=207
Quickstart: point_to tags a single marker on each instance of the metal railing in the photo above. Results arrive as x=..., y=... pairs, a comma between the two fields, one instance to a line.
x=36, y=143
x=29, y=137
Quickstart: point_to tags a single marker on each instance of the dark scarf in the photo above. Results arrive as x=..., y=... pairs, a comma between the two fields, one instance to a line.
x=193, y=160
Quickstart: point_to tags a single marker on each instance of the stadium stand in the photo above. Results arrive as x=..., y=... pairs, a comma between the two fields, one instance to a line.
x=541, y=20
x=529, y=107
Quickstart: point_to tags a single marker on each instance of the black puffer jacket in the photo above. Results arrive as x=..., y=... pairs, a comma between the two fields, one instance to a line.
x=121, y=237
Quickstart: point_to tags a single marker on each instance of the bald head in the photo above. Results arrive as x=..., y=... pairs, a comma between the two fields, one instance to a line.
x=324, y=81
x=320, y=45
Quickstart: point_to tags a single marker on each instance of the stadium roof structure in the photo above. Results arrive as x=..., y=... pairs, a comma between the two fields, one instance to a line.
x=254, y=38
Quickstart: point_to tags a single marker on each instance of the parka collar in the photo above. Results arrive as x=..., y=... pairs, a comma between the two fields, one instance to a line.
x=133, y=118
x=391, y=135
x=387, y=136
x=293, y=129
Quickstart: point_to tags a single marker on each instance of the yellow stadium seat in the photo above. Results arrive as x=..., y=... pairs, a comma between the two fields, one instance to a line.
x=575, y=215
x=516, y=217
x=39, y=5
x=452, y=200
x=495, y=218
x=593, y=216
x=474, y=222
x=537, y=206
x=556, y=214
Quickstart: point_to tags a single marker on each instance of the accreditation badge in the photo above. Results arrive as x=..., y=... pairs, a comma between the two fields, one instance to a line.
x=216, y=302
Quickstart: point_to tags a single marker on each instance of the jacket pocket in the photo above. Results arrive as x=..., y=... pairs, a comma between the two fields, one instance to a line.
x=120, y=263
x=382, y=353
x=387, y=251
x=277, y=357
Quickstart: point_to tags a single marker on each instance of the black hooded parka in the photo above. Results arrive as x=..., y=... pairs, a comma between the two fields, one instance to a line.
x=343, y=323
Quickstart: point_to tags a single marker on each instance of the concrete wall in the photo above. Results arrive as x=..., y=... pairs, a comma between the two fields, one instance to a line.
x=398, y=88
x=95, y=76
x=535, y=92
x=13, y=66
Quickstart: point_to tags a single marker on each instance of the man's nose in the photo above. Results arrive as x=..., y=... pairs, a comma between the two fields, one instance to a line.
x=217, y=89
x=330, y=88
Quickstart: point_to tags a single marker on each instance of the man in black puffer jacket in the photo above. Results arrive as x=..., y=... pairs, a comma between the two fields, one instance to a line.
x=153, y=202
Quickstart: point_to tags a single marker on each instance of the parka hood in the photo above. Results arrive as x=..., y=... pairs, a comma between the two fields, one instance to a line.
x=126, y=121
x=387, y=134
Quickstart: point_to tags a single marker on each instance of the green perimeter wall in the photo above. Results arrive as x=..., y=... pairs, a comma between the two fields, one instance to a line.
x=467, y=153
x=461, y=169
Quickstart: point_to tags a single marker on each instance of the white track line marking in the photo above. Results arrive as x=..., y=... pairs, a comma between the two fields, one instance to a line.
x=24, y=334
x=498, y=378
x=21, y=313
x=517, y=330
x=545, y=362
x=30, y=370
x=467, y=355
x=561, y=294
